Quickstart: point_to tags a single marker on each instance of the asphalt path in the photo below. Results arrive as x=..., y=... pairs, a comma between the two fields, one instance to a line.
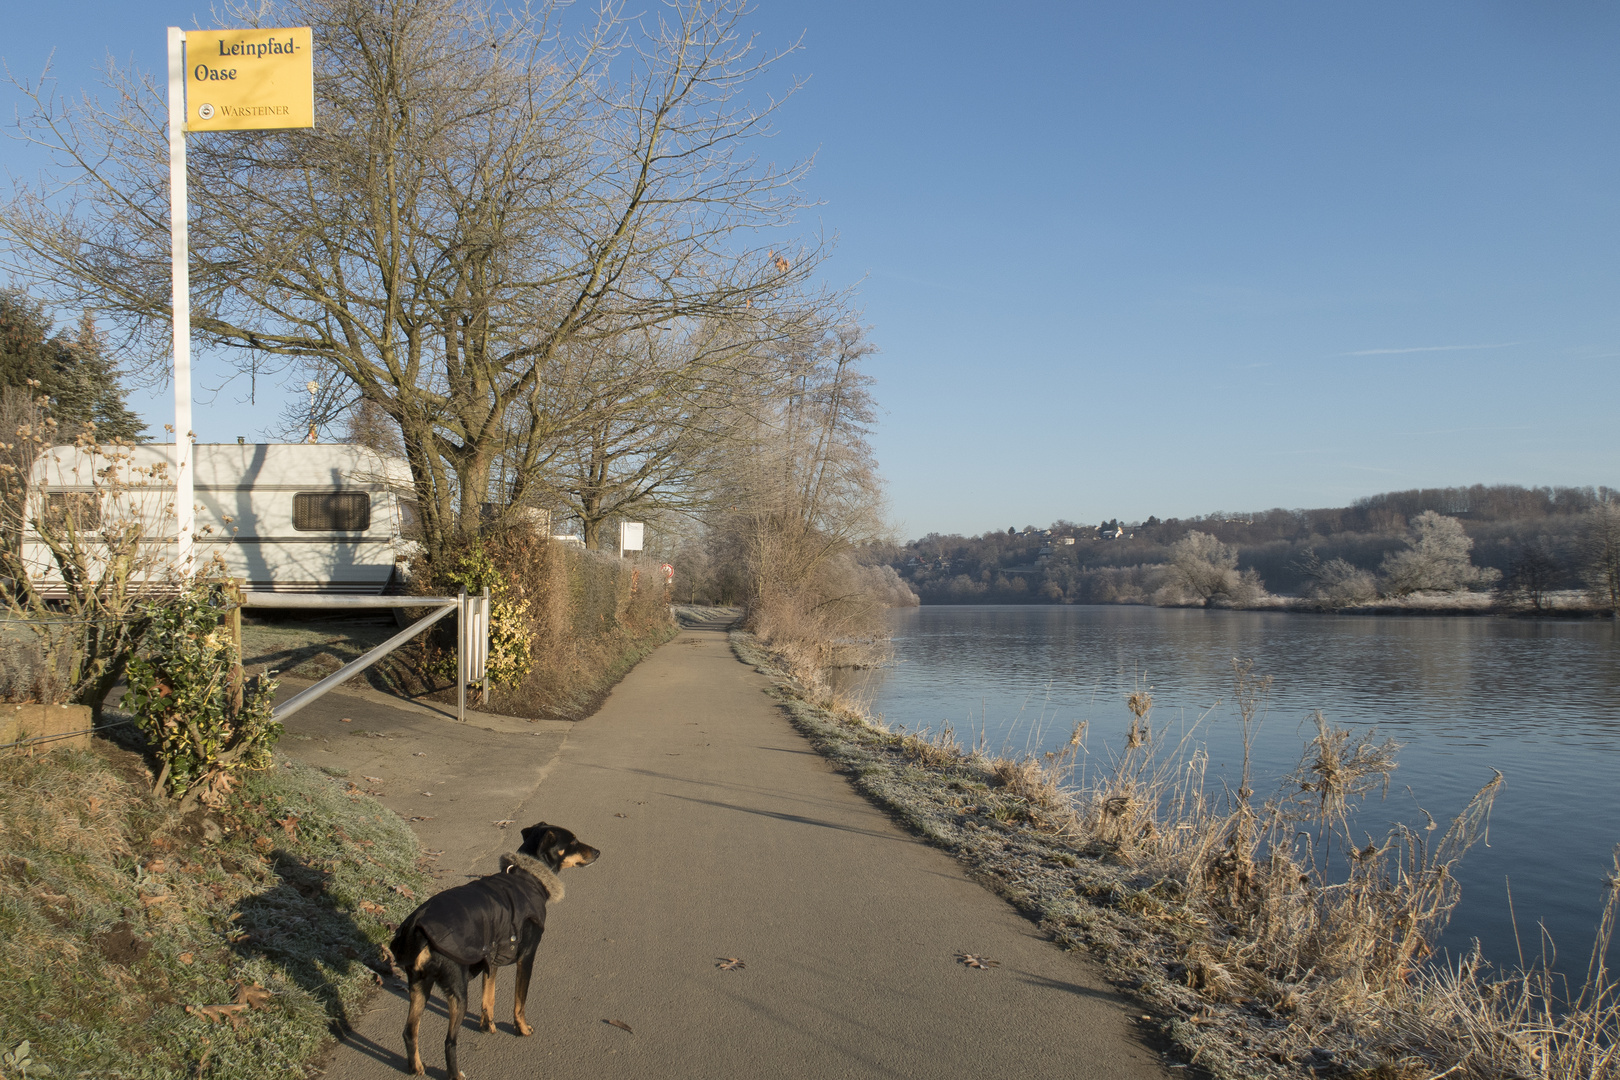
x=724, y=837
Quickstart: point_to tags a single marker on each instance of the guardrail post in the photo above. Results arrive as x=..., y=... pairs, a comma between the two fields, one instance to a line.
x=483, y=647
x=462, y=637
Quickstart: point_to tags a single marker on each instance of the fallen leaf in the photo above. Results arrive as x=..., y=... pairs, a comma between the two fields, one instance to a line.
x=969, y=960
x=231, y=1014
x=155, y=866
x=429, y=794
x=503, y=823
x=289, y=824
x=252, y=995
x=729, y=963
x=346, y=720
x=186, y=958
x=371, y=907
x=404, y=890
x=421, y=817
x=95, y=804
x=620, y=1024
x=419, y=753
x=618, y=815
x=373, y=779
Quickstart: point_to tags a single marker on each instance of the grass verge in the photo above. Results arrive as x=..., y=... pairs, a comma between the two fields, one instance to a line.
x=1267, y=943
x=137, y=943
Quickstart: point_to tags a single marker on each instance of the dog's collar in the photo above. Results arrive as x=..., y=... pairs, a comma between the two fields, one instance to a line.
x=535, y=869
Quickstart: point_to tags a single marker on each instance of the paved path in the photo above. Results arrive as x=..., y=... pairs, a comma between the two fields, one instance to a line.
x=725, y=835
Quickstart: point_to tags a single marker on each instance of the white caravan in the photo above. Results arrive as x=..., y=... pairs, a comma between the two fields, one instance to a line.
x=284, y=517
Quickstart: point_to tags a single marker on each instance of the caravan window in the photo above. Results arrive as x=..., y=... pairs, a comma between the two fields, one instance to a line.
x=410, y=519
x=331, y=511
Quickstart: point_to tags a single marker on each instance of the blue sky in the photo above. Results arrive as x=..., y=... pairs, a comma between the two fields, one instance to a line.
x=1144, y=258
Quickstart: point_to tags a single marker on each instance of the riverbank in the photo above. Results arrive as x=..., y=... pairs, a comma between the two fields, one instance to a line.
x=1251, y=971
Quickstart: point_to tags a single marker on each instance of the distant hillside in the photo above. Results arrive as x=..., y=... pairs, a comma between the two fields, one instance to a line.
x=1281, y=552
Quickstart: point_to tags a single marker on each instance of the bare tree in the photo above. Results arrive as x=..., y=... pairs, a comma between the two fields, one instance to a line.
x=800, y=491
x=1336, y=582
x=1204, y=568
x=478, y=195
x=1600, y=550
x=1439, y=558
x=81, y=568
x=634, y=424
x=1532, y=575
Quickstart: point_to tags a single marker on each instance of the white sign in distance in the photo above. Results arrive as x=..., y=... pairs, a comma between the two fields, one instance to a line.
x=630, y=535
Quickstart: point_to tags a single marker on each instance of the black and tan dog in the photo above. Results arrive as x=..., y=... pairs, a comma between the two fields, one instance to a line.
x=475, y=928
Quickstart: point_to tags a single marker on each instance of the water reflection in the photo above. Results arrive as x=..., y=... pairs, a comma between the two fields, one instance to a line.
x=1539, y=700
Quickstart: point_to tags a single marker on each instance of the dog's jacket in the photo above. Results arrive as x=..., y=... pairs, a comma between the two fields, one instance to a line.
x=482, y=921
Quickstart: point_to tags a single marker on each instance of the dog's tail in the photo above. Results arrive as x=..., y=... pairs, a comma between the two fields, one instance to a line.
x=400, y=948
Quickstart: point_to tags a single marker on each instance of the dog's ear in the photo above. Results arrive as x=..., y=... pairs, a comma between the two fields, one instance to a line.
x=536, y=838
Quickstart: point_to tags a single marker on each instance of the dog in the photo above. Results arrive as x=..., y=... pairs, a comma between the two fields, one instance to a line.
x=475, y=928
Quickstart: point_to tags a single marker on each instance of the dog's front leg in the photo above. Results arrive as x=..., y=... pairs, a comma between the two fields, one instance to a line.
x=455, y=992
x=486, y=1015
x=525, y=967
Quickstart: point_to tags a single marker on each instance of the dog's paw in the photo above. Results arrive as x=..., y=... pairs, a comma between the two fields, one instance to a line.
x=487, y=1026
x=523, y=1028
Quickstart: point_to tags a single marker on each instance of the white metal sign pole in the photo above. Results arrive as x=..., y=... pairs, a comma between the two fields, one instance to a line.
x=179, y=251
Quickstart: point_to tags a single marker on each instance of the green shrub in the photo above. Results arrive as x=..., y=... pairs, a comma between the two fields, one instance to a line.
x=187, y=694
x=511, y=652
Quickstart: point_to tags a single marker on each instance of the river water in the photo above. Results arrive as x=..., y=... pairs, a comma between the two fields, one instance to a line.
x=1538, y=700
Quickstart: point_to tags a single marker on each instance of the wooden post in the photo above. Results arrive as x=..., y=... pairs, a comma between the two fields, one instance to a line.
x=233, y=593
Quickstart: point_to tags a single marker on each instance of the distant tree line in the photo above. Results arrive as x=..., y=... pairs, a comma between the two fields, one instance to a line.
x=1524, y=543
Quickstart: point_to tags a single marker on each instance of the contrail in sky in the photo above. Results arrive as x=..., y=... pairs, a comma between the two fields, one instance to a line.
x=1429, y=348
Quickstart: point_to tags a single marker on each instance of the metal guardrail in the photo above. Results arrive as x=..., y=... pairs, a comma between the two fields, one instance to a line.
x=472, y=638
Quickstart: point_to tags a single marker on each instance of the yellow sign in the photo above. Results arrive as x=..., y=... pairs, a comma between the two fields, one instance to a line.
x=242, y=80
